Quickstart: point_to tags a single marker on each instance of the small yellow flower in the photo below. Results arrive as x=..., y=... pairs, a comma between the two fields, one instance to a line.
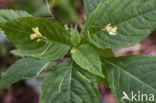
x=107, y=27
x=36, y=33
x=110, y=29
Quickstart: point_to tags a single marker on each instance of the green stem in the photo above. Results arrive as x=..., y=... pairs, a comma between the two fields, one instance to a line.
x=62, y=80
x=52, y=4
x=49, y=8
x=83, y=77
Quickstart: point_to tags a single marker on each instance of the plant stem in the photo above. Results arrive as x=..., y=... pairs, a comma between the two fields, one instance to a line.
x=52, y=4
x=49, y=8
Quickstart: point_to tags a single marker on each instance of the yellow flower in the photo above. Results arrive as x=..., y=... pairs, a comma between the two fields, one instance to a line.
x=107, y=27
x=110, y=29
x=36, y=33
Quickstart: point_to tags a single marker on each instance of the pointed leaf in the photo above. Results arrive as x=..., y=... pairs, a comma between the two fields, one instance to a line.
x=6, y=15
x=16, y=52
x=132, y=74
x=134, y=20
x=88, y=58
x=65, y=85
x=75, y=37
x=23, y=69
x=55, y=46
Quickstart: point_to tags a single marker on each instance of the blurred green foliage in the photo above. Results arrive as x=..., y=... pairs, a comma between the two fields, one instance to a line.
x=34, y=7
x=67, y=10
x=6, y=59
x=64, y=10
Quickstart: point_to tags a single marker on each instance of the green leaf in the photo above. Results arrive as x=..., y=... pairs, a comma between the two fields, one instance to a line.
x=75, y=37
x=106, y=53
x=34, y=7
x=90, y=5
x=101, y=80
x=23, y=69
x=87, y=58
x=16, y=52
x=6, y=15
x=65, y=85
x=54, y=44
x=135, y=21
x=132, y=74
